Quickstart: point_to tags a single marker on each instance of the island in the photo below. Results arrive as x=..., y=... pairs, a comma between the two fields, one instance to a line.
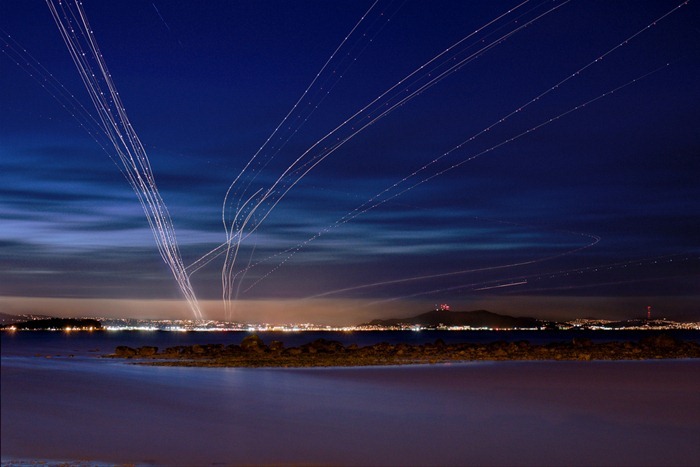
x=55, y=324
x=444, y=318
x=253, y=352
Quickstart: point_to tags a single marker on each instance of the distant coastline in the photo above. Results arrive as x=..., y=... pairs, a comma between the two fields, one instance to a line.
x=440, y=319
x=55, y=324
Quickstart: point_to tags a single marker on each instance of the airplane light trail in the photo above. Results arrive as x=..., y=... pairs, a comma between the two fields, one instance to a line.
x=82, y=45
x=512, y=284
x=375, y=201
x=396, y=96
x=519, y=115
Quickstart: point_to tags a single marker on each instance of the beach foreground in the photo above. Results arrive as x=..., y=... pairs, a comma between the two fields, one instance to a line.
x=484, y=413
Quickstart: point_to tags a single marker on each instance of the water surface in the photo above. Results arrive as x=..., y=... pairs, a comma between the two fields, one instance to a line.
x=486, y=413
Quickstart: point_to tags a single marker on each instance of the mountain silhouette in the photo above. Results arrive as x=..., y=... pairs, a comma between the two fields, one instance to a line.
x=475, y=319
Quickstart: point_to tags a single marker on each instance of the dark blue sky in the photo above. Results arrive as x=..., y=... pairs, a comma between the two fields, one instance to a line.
x=593, y=213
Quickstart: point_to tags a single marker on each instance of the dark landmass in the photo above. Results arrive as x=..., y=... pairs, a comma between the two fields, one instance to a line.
x=253, y=352
x=441, y=319
x=56, y=323
x=474, y=319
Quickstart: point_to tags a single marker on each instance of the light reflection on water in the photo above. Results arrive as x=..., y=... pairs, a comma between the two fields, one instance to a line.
x=99, y=343
x=504, y=413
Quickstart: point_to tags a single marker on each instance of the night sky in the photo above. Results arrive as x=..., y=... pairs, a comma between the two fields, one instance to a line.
x=559, y=209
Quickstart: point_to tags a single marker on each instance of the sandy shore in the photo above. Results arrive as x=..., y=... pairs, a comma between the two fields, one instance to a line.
x=482, y=413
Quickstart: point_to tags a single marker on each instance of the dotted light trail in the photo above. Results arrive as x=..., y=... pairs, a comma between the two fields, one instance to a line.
x=82, y=46
x=253, y=209
x=250, y=199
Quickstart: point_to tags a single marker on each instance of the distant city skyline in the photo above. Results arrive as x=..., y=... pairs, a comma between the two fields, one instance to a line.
x=545, y=164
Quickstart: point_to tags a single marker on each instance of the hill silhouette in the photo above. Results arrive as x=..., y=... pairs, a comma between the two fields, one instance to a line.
x=475, y=319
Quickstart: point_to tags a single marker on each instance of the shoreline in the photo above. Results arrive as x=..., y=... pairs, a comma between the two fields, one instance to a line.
x=544, y=412
x=254, y=353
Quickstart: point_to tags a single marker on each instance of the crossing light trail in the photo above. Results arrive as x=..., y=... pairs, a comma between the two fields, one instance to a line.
x=366, y=207
x=594, y=240
x=260, y=204
x=238, y=189
x=72, y=23
x=529, y=283
x=251, y=197
x=395, y=190
x=384, y=196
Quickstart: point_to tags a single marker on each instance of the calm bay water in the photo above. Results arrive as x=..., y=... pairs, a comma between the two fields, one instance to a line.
x=85, y=408
x=100, y=343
